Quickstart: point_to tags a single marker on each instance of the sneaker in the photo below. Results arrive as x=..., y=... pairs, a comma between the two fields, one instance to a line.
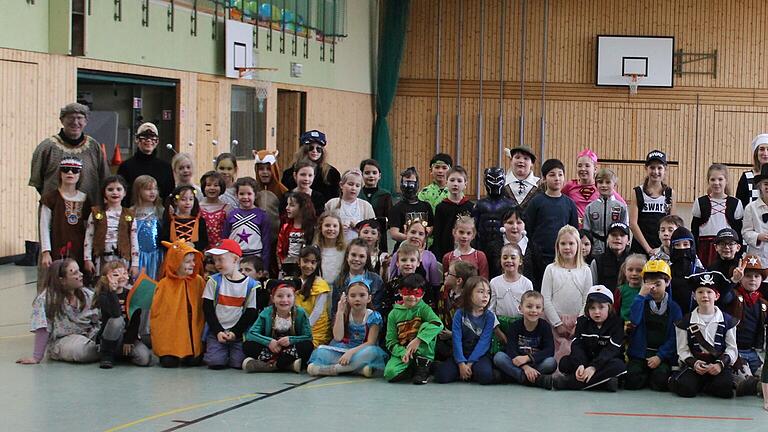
x=251, y=364
x=612, y=385
x=421, y=373
x=748, y=387
x=544, y=381
x=106, y=364
x=366, y=372
x=296, y=366
x=559, y=382
x=313, y=369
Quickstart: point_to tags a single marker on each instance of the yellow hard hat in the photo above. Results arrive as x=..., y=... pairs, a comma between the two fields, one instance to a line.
x=657, y=266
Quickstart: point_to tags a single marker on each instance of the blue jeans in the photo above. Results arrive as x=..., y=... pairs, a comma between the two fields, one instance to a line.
x=504, y=363
x=482, y=371
x=752, y=359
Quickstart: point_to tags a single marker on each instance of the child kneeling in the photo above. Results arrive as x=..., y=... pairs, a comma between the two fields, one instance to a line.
x=354, y=347
x=472, y=331
x=281, y=337
x=706, y=341
x=596, y=360
x=412, y=328
x=229, y=306
x=652, y=346
x=529, y=355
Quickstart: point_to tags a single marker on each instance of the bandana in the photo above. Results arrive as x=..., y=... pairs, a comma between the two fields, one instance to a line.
x=416, y=292
x=750, y=298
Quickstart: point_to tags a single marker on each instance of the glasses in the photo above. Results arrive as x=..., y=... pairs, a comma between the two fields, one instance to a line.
x=72, y=170
x=148, y=138
x=318, y=148
x=446, y=274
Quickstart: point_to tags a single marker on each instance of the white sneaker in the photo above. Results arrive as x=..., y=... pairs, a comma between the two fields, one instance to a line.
x=249, y=365
x=367, y=371
x=313, y=369
x=297, y=366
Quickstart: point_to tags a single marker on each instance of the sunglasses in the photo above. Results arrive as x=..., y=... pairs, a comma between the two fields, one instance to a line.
x=73, y=170
x=318, y=148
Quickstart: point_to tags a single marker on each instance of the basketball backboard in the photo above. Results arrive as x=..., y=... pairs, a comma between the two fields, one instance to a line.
x=647, y=57
x=238, y=47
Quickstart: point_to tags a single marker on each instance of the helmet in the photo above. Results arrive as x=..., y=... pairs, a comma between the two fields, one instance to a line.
x=657, y=266
x=494, y=181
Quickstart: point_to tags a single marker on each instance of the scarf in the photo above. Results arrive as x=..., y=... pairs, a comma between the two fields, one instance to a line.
x=750, y=298
x=661, y=308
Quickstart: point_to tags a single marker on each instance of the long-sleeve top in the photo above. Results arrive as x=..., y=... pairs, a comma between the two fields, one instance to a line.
x=445, y=220
x=471, y=335
x=595, y=345
x=538, y=344
x=111, y=237
x=638, y=313
x=229, y=304
x=753, y=225
x=405, y=324
x=251, y=229
x=709, y=330
x=598, y=217
x=147, y=164
x=350, y=214
x=544, y=217
x=564, y=291
x=261, y=331
x=474, y=256
x=428, y=268
x=112, y=305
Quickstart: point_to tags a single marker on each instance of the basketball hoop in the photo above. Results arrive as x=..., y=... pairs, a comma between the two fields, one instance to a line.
x=261, y=96
x=248, y=72
x=633, y=80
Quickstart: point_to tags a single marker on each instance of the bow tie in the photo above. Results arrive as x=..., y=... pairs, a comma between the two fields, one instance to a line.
x=521, y=187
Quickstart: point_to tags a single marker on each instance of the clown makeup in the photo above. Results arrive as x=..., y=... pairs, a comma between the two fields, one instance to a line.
x=114, y=194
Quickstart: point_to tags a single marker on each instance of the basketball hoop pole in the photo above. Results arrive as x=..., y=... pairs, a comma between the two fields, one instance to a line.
x=243, y=71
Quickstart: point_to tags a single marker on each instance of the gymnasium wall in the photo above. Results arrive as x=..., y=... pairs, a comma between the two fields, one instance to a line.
x=550, y=47
x=36, y=85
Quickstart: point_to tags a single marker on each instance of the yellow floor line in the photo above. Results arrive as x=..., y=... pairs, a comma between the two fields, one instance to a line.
x=16, y=336
x=205, y=404
x=357, y=381
x=180, y=410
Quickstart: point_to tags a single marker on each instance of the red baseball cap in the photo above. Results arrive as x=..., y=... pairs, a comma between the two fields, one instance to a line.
x=224, y=246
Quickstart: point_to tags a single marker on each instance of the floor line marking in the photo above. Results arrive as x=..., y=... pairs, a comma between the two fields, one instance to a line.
x=670, y=416
x=356, y=381
x=240, y=405
x=179, y=410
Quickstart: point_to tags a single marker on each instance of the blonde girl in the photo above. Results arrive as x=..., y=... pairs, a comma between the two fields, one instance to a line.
x=714, y=211
x=356, y=328
x=183, y=170
x=329, y=239
x=463, y=234
x=349, y=207
x=507, y=291
x=148, y=211
x=564, y=287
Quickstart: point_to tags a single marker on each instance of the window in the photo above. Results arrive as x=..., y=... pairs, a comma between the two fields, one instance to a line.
x=248, y=120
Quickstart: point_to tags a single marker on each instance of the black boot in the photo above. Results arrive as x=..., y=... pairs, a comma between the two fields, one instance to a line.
x=107, y=350
x=31, y=251
x=748, y=387
x=543, y=381
x=421, y=374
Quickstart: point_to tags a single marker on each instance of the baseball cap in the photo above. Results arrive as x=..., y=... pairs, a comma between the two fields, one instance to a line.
x=656, y=155
x=224, y=246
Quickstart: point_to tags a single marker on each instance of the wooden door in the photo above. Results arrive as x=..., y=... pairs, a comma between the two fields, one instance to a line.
x=20, y=135
x=208, y=126
x=289, y=124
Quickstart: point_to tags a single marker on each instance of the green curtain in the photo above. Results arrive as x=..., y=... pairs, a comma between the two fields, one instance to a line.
x=391, y=41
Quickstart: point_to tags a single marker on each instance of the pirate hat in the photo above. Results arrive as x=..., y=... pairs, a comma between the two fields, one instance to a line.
x=709, y=279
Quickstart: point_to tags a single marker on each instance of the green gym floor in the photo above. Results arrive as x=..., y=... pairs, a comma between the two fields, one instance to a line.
x=54, y=396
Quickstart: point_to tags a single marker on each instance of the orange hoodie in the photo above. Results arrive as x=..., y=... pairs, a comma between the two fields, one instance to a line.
x=176, y=317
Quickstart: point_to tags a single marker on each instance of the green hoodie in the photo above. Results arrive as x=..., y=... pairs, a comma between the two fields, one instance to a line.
x=404, y=324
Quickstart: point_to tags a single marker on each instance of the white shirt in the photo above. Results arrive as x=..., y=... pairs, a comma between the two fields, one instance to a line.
x=505, y=296
x=752, y=226
x=350, y=214
x=709, y=324
x=515, y=185
x=717, y=219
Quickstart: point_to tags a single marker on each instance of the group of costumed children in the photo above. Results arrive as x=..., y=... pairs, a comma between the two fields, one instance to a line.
x=503, y=290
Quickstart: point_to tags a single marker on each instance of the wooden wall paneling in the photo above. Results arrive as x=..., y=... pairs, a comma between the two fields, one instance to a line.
x=208, y=130
x=19, y=132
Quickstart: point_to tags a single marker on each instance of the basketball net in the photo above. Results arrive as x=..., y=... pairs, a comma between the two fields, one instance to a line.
x=633, y=82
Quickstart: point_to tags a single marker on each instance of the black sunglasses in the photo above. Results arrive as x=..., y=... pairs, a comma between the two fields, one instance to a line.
x=72, y=170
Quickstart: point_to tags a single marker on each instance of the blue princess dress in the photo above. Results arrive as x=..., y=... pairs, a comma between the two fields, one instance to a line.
x=147, y=233
x=326, y=357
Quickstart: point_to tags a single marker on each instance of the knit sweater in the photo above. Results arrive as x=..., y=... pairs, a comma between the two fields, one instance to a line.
x=564, y=291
